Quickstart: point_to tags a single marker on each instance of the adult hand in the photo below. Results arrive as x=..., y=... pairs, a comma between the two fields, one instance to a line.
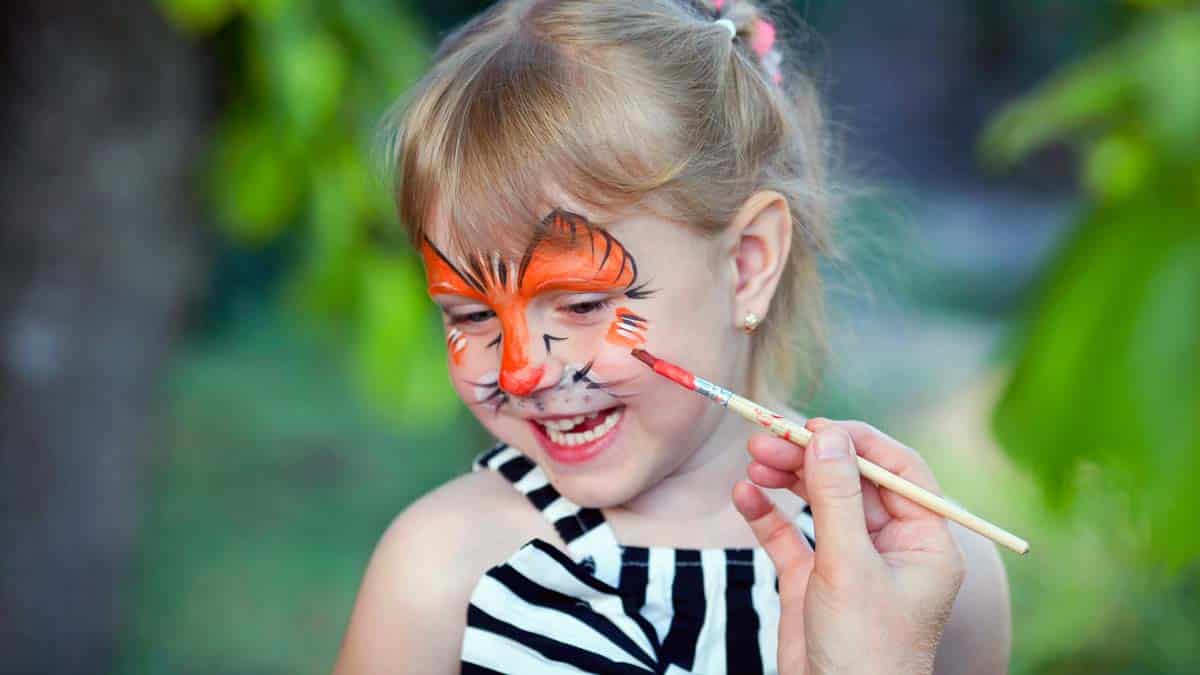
x=876, y=594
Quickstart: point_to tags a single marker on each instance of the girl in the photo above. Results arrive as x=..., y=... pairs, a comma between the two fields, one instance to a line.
x=582, y=177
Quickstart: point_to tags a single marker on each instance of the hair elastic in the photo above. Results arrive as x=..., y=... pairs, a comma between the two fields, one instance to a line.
x=729, y=26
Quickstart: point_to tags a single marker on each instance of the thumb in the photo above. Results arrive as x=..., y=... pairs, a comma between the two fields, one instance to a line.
x=835, y=494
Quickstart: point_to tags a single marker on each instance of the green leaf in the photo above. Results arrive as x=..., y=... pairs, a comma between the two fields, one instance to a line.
x=1169, y=61
x=1117, y=166
x=1086, y=94
x=401, y=357
x=306, y=71
x=268, y=10
x=255, y=184
x=1109, y=372
x=340, y=211
x=198, y=17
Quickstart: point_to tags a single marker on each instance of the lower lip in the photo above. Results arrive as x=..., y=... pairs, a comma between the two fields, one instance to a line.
x=577, y=454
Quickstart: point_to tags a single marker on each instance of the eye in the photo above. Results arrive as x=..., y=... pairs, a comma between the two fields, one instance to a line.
x=589, y=307
x=481, y=316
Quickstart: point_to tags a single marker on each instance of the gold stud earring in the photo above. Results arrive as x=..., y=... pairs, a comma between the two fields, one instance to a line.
x=750, y=323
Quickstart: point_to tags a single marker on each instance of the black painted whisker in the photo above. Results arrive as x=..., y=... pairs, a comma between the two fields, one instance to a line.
x=640, y=292
x=483, y=384
x=583, y=372
x=547, y=338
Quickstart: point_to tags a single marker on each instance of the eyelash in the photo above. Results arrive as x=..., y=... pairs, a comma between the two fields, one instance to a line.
x=471, y=317
x=591, y=307
x=581, y=309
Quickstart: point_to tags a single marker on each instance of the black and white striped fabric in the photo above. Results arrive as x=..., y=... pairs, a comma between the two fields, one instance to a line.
x=608, y=608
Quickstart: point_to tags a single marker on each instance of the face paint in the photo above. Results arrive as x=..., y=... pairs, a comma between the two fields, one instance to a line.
x=628, y=329
x=568, y=254
x=485, y=389
x=456, y=342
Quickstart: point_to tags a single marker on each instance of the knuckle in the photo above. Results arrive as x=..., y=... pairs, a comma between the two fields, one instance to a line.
x=954, y=566
x=840, y=490
x=778, y=534
x=845, y=581
x=861, y=429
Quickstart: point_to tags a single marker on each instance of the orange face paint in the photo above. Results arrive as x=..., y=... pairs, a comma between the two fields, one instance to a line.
x=627, y=330
x=568, y=254
x=456, y=342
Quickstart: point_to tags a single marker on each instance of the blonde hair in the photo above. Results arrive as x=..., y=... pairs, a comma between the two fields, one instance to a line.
x=620, y=103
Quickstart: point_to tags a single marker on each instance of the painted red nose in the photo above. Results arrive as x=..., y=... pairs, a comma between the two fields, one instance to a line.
x=521, y=382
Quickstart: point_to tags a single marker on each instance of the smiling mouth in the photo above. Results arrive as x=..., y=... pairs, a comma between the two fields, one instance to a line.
x=574, y=431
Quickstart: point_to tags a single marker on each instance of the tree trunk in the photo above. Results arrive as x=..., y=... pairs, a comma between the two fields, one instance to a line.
x=102, y=120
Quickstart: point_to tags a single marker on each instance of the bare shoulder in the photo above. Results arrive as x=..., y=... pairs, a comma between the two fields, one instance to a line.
x=411, y=605
x=978, y=637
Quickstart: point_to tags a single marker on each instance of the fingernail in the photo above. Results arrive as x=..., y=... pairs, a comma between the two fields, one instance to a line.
x=816, y=424
x=831, y=446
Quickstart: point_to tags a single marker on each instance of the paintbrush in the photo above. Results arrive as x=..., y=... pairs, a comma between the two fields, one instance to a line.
x=795, y=433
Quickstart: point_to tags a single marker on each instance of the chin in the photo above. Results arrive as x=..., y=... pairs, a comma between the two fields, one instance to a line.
x=597, y=490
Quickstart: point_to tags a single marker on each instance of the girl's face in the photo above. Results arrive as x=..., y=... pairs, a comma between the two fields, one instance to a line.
x=539, y=347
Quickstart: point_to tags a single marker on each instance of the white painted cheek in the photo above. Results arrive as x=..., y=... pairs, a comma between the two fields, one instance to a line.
x=481, y=393
x=568, y=375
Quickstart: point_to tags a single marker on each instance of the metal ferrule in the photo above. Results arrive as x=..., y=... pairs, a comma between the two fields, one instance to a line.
x=719, y=394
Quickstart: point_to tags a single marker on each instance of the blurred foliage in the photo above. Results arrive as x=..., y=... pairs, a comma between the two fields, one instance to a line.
x=1109, y=368
x=271, y=485
x=265, y=496
x=306, y=83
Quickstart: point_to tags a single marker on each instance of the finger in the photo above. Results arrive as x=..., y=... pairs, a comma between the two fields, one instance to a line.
x=775, y=452
x=775, y=533
x=877, y=515
x=836, y=497
x=765, y=476
x=897, y=458
x=890, y=453
x=790, y=554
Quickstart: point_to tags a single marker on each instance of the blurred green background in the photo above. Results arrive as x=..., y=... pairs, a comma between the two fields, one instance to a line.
x=222, y=379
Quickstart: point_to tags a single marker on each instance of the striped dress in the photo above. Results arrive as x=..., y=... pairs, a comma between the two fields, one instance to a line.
x=609, y=608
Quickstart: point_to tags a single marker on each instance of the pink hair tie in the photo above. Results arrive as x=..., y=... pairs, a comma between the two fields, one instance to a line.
x=762, y=43
x=763, y=39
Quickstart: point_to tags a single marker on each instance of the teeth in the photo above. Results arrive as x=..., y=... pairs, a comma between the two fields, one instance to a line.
x=554, y=430
x=565, y=423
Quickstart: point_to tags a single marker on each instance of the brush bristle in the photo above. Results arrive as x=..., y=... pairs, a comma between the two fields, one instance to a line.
x=644, y=356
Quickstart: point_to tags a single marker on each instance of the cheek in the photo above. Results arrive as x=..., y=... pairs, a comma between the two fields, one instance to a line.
x=456, y=345
x=628, y=330
x=472, y=365
x=613, y=363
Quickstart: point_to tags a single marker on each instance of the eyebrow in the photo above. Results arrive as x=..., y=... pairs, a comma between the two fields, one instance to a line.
x=462, y=274
x=560, y=222
x=577, y=284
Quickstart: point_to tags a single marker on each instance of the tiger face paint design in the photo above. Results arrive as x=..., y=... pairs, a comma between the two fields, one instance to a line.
x=628, y=329
x=567, y=254
x=456, y=342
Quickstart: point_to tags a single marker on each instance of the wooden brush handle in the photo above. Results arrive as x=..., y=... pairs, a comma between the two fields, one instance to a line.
x=798, y=434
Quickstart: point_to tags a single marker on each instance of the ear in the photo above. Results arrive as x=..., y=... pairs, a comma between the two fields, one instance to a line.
x=760, y=238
